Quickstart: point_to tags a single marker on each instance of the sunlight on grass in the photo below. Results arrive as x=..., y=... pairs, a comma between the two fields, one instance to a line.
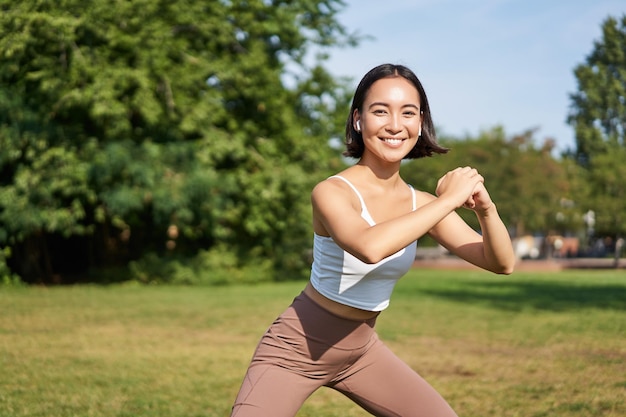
x=525, y=345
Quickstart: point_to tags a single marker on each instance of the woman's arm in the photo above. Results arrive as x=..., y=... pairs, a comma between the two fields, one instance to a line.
x=491, y=249
x=337, y=213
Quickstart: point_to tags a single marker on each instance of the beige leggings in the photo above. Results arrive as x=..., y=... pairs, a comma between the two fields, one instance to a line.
x=308, y=347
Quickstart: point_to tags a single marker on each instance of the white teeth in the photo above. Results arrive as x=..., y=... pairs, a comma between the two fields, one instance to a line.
x=393, y=141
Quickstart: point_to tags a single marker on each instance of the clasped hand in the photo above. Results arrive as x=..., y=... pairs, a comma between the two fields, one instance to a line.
x=466, y=187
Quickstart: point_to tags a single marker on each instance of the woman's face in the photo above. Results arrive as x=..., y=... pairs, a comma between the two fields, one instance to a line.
x=390, y=121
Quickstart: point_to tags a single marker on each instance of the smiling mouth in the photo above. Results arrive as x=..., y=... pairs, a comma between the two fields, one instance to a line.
x=392, y=141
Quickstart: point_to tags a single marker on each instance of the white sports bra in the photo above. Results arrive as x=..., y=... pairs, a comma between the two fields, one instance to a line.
x=343, y=278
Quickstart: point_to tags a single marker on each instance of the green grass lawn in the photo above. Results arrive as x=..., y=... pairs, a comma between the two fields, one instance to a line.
x=530, y=344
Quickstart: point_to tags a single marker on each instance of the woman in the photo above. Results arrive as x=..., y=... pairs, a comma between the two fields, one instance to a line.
x=366, y=222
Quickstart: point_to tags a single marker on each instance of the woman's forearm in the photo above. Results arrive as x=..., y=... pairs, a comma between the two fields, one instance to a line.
x=497, y=247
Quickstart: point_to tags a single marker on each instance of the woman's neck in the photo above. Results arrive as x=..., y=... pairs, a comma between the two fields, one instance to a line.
x=384, y=175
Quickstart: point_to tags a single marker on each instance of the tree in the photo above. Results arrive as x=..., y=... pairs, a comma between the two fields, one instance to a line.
x=131, y=127
x=598, y=115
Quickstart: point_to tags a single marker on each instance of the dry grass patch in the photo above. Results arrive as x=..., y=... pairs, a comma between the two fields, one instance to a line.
x=529, y=345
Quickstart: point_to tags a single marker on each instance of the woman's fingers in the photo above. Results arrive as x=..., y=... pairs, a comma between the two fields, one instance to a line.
x=462, y=183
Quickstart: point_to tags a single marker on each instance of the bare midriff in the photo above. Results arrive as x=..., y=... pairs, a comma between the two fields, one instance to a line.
x=338, y=309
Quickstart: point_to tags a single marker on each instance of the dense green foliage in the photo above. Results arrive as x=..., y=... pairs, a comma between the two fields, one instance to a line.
x=175, y=141
x=598, y=114
x=163, y=129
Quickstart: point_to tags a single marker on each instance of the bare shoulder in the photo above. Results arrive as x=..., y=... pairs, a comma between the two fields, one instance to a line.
x=335, y=207
x=330, y=190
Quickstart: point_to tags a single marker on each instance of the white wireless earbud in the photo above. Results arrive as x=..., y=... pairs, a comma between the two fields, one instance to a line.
x=358, y=125
x=420, y=132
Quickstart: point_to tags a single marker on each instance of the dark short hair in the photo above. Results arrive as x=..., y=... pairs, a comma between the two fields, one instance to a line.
x=425, y=146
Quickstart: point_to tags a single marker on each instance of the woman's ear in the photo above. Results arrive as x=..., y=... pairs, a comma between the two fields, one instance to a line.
x=356, y=120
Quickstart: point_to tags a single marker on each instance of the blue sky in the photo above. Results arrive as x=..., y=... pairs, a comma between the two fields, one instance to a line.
x=482, y=63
